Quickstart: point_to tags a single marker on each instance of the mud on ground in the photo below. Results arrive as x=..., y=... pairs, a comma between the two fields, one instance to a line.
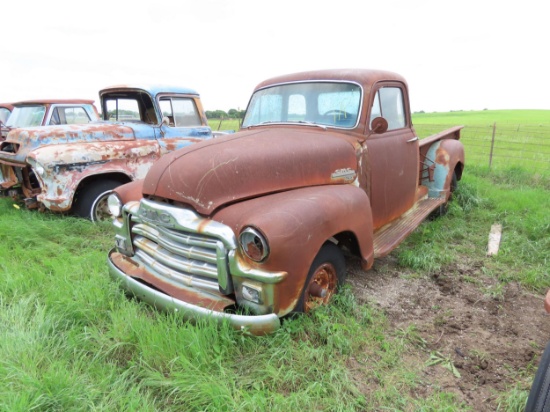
x=494, y=334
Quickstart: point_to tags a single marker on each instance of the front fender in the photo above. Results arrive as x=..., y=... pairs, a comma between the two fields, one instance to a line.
x=63, y=167
x=296, y=224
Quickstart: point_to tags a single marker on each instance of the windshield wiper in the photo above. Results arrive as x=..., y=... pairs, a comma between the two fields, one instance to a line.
x=322, y=126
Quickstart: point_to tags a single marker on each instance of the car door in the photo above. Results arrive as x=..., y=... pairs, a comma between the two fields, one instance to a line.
x=184, y=123
x=392, y=156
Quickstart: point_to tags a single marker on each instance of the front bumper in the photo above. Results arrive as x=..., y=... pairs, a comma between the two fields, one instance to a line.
x=254, y=324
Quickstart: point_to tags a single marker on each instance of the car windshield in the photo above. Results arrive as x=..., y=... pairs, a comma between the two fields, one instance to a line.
x=27, y=116
x=322, y=103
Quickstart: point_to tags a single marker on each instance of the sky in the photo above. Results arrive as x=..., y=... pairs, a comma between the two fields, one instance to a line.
x=459, y=55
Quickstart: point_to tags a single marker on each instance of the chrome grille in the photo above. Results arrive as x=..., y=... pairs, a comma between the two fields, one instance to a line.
x=180, y=257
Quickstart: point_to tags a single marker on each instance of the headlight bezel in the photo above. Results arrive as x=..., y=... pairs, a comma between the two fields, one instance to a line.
x=115, y=205
x=254, y=244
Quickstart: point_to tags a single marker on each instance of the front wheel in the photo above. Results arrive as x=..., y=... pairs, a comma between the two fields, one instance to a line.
x=326, y=275
x=91, y=201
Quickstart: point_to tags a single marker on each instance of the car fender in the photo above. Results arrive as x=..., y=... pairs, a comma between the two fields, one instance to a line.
x=62, y=168
x=296, y=224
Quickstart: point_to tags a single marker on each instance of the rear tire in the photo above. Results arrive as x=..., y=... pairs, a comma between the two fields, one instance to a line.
x=91, y=200
x=325, y=277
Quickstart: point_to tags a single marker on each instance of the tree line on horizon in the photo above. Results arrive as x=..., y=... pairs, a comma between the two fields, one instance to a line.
x=220, y=114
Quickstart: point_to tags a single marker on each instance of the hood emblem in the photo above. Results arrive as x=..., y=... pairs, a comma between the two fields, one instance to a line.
x=157, y=217
x=346, y=174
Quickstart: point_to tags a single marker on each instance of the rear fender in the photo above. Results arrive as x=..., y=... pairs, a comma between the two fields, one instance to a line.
x=443, y=157
x=296, y=224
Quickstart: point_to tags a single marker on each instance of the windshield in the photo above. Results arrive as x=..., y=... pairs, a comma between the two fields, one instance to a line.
x=322, y=103
x=27, y=116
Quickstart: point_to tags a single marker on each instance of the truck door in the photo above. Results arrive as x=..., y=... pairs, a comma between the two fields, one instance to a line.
x=392, y=157
x=184, y=124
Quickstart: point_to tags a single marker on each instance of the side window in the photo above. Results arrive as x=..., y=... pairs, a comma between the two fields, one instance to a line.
x=122, y=110
x=181, y=112
x=76, y=115
x=388, y=103
x=55, y=119
x=69, y=115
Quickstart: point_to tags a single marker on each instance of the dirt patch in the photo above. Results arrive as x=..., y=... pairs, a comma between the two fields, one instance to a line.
x=492, y=333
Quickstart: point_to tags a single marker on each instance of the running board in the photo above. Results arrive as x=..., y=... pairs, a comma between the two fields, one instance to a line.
x=388, y=237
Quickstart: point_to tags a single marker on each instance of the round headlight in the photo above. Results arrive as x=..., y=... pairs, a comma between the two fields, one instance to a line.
x=39, y=170
x=115, y=205
x=253, y=244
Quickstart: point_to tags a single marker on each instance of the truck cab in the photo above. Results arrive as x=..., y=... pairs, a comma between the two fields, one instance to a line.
x=324, y=161
x=45, y=112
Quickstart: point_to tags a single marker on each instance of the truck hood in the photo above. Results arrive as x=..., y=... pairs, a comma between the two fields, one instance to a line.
x=251, y=163
x=20, y=142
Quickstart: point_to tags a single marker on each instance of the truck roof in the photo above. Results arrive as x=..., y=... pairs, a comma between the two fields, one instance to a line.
x=53, y=101
x=365, y=77
x=151, y=89
x=8, y=106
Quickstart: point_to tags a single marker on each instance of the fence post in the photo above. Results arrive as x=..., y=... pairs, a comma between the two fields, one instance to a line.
x=492, y=144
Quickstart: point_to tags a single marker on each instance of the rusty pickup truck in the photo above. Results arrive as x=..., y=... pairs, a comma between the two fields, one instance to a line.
x=251, y=228
x=47, y=112
x=72, y=167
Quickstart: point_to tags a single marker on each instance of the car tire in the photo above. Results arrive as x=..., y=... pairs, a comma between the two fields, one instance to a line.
x=326, y=275
x=539, y=396
x=91, y=200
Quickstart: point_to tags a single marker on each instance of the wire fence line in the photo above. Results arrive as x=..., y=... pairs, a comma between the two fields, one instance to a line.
x=502, y=145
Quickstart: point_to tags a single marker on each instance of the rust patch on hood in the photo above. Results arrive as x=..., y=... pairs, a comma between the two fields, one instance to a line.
x=210, y=174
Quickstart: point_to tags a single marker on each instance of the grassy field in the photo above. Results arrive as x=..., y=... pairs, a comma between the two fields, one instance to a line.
x=71, y=341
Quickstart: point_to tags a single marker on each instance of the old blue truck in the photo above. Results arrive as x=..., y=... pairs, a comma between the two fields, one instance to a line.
x=73, y=168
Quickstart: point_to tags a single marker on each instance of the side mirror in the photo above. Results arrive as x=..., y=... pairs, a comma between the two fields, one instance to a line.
x=379, y=125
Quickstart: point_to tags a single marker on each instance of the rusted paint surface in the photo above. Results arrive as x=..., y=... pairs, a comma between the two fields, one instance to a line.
x=547, y=302
x=130, y=192
x=215, y=173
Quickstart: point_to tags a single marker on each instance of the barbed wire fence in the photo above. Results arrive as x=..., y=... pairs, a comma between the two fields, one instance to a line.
x=503, y=145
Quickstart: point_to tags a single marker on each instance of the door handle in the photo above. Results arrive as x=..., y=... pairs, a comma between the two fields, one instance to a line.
x=414, y=139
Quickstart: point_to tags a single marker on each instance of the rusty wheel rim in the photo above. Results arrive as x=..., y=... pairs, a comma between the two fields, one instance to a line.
x=321, y=287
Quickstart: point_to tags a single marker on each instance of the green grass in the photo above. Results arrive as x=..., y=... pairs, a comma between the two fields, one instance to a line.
x=71, y=340
x=485, y=117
